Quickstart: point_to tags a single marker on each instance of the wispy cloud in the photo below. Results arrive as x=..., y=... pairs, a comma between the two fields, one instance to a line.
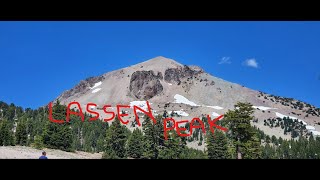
x=225, y=60
x=251, y=63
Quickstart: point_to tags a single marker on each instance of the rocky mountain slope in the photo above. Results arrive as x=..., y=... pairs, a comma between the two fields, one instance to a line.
x=188, y=91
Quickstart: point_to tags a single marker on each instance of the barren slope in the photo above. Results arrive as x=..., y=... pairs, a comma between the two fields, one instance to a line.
x=187, y=90
x=23, y=152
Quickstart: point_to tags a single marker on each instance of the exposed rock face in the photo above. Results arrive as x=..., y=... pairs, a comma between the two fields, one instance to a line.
x=160, y=76
x=144, y=84
x=82, y=87
x=174, y=75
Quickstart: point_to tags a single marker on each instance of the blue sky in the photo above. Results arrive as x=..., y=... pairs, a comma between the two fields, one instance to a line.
x=40, y=60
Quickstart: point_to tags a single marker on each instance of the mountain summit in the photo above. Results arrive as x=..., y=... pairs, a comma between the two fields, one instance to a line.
x=187, y=91
x=160, y=60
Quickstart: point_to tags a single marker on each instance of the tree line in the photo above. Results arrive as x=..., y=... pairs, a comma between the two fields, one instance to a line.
x=29, y=127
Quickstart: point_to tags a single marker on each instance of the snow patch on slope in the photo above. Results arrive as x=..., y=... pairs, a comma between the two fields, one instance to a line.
x=310, y=128
x=215, y=114
x=96, y=85
x=181, y=113
x=92, y=107
x=263, y=107
x=96, y=90
x=215, y=107
x=291, y=117
x=141, y=104
x=181, y=99
x=315, y=133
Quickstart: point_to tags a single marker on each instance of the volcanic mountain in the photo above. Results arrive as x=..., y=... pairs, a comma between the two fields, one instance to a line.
x=188, y=91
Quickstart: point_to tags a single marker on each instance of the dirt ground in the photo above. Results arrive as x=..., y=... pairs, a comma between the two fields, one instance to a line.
x=23, y=152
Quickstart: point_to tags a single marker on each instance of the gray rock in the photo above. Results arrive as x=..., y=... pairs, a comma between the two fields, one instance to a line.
x=82, y=87
x=174, y=75
x=144, y=84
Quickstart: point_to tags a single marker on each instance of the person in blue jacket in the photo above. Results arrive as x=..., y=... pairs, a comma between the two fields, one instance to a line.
x=43, y=155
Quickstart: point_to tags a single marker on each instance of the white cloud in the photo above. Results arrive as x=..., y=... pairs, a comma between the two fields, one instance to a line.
x=225, y=60
x=251, y=63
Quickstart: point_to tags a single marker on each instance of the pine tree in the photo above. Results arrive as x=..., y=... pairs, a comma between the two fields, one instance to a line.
x=172, y=148
x=317, y=147
x=77, y=145
x=244, y=135
x=253, y=149
x=165, y=114
x=267, y=139
x=311, y=149
x=100, y=143
x=58, y=136
x=280, y=140
x=268, y=152
x=217, y=145
x=190, y=153
x=231, y=149
x=175, y=147
x=274, y=140
x=6, y=134
x=115, y=140
x=159, y=132
x=150, y=150
x=172, y=114
x=21, y=133
x=109, y=152
x=38, y=142
x=135, y=144
x=284, y=150
x=88, y=142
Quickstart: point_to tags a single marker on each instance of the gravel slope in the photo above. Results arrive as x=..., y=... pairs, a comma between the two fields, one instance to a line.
x=23, y=152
